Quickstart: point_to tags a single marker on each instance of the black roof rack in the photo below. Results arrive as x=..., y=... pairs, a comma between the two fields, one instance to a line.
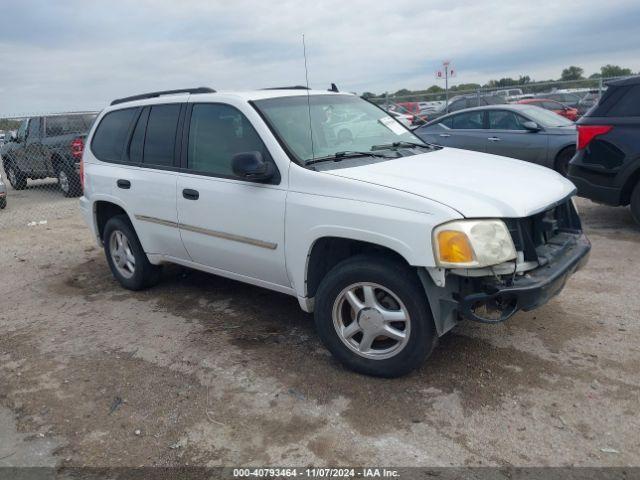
x=144, y=96
x=295, y=87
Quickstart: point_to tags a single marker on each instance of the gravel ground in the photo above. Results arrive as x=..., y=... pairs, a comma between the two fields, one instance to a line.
x=201, y=370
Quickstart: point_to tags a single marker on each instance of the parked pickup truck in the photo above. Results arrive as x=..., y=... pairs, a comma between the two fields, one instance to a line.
x=389, y=241
x=45, y=147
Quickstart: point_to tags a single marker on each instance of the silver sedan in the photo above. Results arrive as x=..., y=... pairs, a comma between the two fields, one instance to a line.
x=524, y=132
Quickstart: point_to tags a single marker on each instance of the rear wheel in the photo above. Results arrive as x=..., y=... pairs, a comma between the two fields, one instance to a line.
x=372, y=314
x=563, y=159
x=3, y=202
x=69, y=182
x=635, y=203
x=125, y=256
x=16, y=178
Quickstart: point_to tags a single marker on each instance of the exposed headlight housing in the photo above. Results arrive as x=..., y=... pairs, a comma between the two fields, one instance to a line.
x=472, y=244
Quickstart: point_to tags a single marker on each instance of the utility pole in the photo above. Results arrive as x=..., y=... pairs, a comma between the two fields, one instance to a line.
x=446, y=72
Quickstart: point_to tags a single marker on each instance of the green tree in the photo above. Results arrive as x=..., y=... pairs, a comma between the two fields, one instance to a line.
x=614, y=71
x=434, y=89
x=572, y=73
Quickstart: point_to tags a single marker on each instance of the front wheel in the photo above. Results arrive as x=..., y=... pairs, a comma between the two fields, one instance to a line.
x=125, y=256
x=3, y=203
x=373, y=315
x=562, y=162
x=635, y=203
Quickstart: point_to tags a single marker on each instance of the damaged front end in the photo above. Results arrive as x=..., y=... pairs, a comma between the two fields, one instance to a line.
x=550, y=247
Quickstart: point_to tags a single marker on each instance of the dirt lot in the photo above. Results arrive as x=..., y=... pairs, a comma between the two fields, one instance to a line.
x=203, y=370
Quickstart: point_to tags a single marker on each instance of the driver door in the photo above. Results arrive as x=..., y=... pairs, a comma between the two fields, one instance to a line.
x=229, y=224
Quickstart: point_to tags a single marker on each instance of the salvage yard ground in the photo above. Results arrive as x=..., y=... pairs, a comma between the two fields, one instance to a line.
x=204, y=370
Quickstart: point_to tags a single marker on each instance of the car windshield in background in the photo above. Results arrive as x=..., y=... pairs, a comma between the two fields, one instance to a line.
x=547, y=118
x=339, y=123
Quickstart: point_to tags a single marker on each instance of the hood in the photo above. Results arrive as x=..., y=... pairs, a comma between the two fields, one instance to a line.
x=475, y=184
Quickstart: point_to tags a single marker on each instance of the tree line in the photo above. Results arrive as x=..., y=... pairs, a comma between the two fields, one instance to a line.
x=569, y=74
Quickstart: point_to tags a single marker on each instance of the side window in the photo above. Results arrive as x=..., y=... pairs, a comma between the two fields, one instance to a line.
x=109, y=140
x=505, y=120
x=467, y=121
x=22, y=130
x=34, y=129
x=551, y=106
x=216, y=133
x=160, y=137
x=457, y=105
x=137, y=140
x=447, y=122
x=628, y=105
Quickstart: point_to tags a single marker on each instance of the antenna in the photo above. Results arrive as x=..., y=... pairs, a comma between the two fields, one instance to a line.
x=306, y=76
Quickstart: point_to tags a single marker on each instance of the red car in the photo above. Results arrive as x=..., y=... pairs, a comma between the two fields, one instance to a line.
x=557, y=107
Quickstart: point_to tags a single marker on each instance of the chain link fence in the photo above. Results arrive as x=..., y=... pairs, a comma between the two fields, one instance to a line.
x=40, y=160
x=40, y=154
x=425, y=106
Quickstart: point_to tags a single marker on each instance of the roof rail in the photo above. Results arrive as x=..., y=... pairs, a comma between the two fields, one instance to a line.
x=295, y=87
x=144, y=96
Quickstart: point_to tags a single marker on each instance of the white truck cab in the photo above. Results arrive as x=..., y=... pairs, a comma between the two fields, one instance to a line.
x=323, y=196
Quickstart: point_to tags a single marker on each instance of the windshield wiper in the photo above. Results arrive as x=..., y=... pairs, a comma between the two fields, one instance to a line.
x=336, y=157
x=400, y=144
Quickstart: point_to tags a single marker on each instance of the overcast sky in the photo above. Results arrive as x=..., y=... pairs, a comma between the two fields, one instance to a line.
x=70, y=55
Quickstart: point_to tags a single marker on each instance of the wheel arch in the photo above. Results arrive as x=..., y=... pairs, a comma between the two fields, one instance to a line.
x=327, y=251
x=629, y=185
x=560, y=152
x=103, y=210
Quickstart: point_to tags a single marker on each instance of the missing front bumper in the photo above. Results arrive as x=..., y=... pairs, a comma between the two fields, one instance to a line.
x=528, y=291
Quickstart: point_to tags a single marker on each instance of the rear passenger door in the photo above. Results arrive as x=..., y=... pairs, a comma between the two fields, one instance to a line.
x=465, y=130
x=231, y=225
x=143, y=144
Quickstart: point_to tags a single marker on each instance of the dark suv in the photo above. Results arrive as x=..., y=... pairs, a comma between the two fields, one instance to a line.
x=606, y=167
x=49, y=146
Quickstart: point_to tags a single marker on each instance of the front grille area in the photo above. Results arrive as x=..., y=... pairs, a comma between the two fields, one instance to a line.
x=530, y=233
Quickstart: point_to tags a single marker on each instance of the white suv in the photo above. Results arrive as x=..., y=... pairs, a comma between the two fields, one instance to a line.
x=324, y=196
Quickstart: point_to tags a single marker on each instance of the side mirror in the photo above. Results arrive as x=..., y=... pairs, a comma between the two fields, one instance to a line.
x=531, y=126
x=252, y=166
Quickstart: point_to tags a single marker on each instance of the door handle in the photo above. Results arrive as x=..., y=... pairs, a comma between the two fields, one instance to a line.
x=493, y=139
x=445, y=135
x=190, y=194
x=126, y=184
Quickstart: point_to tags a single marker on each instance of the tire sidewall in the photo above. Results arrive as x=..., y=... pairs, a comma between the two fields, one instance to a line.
x=404, y=283
x=73, y=181
x=137, y=281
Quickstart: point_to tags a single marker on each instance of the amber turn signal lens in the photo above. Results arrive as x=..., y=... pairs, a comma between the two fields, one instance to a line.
x=454, y=247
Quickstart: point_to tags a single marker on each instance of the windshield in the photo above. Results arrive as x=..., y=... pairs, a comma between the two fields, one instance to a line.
x=339, y=123
x=547, y=118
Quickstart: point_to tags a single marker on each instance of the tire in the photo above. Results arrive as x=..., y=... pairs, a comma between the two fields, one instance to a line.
x=563, y=159
x=3, y=203
x=69, y=182
x=396, y=292
x=132, y=275
x=635, y=203
x=16, y=178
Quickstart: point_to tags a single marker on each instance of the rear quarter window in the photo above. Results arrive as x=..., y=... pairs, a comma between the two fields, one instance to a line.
x=109, y=140
x=628, y=104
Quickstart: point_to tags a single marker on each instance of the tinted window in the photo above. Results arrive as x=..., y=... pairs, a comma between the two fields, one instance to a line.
x=447, y=122
x=505, y=120
x=628, y=105
x=216, y=134
x=34, y=129
x=110, y=137
x=458, y=105
x=137, y=139
x=467, y=120
x=22, y=131
x=68, y=124
x=160, y=138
